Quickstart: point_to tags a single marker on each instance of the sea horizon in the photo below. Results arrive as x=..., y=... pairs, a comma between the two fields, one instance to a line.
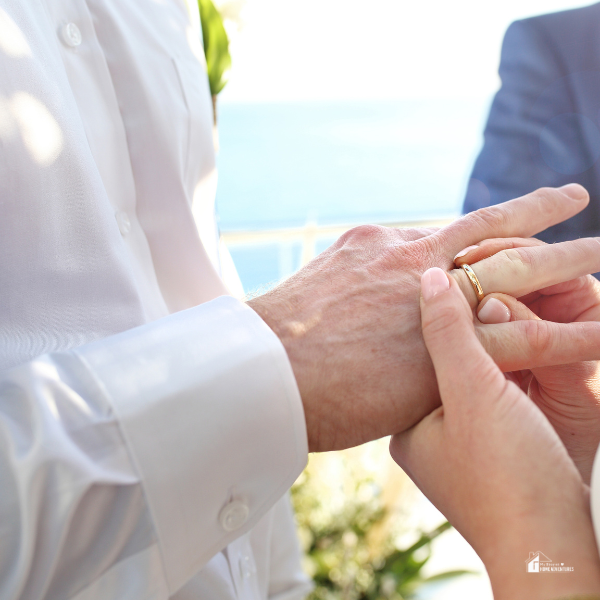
x=283, y=164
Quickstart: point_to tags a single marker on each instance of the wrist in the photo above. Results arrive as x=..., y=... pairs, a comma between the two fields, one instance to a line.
x=564, y=548
x=277, y=317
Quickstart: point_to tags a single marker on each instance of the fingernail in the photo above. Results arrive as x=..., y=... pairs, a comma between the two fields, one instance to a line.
x=433, y=282
x=465, y=251
x=574, y=190
x=494, y=311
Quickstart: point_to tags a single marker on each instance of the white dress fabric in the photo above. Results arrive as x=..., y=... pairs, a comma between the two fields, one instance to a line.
x=150, y=425
x=595, y=496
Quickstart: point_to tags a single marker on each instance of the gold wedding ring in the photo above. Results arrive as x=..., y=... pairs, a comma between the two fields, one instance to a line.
x=474, y=282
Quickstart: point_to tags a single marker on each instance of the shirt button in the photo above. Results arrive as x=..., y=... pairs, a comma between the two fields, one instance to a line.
x=71, y=35
x=123, y=222
x=234, y=515
x=247, y=567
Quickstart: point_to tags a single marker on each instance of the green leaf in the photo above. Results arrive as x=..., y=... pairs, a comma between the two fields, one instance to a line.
x=450, y=575
x=404, y=556
x=216, y=46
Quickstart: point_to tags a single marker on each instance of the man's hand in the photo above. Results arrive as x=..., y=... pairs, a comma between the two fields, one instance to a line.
x=350, y=319
x=493, y=465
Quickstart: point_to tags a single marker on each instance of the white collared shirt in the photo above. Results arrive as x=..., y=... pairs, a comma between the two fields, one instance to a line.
x=150, y=425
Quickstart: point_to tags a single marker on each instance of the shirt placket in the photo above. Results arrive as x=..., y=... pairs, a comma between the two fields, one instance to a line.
x=92, y=87
x=243, y=568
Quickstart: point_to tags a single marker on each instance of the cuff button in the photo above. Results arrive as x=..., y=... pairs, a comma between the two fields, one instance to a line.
x=234, y=515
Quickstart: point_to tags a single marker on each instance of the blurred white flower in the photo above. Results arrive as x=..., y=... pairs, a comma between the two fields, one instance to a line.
x=232, y=12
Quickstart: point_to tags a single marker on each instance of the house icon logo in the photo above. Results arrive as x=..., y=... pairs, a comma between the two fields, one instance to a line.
x=534, y=560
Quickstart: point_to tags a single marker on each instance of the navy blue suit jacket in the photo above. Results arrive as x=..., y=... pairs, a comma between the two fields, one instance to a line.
x=544, y=124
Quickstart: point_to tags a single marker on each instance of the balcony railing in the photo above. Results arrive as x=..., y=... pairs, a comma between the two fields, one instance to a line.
x=310, y=233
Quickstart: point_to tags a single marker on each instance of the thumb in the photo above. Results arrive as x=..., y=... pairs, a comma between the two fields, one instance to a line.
x=465, y=372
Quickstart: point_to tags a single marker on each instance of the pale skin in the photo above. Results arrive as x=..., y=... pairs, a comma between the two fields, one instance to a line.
x=520, y=490
x=351, y=325
x=350, y=320
x=569, y=395
x=493, y=464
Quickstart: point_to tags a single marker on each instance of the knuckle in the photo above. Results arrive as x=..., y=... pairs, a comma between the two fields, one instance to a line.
x=363, y=234
x=517, y=259
x=545, y=193
x=549, y=198
x=538, y=336
x=492, y=215
x=412, y=234
x=495, y=217
x=432, y=246
x=417, y=253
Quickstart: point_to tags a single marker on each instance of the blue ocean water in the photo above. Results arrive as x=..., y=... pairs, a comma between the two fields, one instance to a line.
x=281, y=165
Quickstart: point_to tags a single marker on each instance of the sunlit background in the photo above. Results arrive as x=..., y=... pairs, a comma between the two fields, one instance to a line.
x=341, y=112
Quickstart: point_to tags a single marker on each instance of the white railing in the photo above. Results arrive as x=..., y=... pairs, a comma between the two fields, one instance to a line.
x=310, y=233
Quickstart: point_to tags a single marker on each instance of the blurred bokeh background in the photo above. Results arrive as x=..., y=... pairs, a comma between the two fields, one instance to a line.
x=336, y=113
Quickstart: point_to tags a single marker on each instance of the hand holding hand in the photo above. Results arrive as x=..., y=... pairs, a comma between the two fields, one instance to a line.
x=491, y=462
x=569, y=395
x=350, y=321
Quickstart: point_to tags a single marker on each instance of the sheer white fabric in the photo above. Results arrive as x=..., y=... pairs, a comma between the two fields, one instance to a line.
x=137, y=401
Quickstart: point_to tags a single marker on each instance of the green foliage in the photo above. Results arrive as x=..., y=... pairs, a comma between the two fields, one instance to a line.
x=216, y=46
x=349, y=537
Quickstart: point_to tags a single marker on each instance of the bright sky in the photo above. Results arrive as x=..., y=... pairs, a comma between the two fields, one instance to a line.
x=351, y=49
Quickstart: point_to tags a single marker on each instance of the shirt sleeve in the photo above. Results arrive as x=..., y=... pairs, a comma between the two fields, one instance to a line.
x=128, y=463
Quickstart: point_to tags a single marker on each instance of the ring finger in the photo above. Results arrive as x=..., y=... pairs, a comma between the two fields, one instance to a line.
x=520, y=271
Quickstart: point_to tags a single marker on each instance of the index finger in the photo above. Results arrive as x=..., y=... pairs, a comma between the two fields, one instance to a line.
x=523, y=217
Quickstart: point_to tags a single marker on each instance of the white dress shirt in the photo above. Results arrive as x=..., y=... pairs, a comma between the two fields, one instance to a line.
x=150, y=425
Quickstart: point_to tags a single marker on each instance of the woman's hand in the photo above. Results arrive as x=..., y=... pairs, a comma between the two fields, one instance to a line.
x=569, y=395
x=350, y=323
x=491, y=462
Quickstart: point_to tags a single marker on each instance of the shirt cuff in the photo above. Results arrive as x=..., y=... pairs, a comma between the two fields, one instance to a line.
x=210, y=410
